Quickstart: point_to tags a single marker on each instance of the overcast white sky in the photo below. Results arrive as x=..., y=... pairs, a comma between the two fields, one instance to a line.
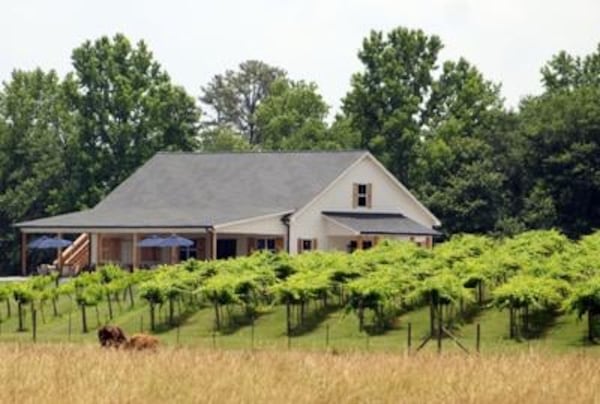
x=508, y=40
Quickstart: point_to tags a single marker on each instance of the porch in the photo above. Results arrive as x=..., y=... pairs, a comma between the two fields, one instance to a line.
x=122, y=248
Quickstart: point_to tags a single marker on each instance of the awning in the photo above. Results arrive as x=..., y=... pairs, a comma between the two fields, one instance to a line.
x=380, y=223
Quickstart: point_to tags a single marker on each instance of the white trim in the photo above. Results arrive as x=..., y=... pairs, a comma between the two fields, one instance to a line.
x=353, y=231
x=328, y=187
x=403, y=188
x=251, y=219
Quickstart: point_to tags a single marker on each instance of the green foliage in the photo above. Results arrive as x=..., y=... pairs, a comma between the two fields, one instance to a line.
x=539, y=293
x=235, y=96
x=292, y=117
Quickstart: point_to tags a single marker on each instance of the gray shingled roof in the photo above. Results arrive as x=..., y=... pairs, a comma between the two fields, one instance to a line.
x=200, y=190
x=380, y=223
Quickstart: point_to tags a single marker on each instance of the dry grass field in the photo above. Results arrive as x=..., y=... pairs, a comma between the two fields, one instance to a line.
x=87, y=374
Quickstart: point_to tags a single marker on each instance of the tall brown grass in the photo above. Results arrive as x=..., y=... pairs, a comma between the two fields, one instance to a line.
x=88, y=374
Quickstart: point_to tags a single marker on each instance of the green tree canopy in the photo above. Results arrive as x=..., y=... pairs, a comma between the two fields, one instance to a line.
x=127, y=109
x=235, y=95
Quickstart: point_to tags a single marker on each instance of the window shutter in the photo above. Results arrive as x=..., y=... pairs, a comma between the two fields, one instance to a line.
x=279, y=244
x=299, y=245
x=369, y=195
x=354, y=195
x=251, y=245
x=314, y=244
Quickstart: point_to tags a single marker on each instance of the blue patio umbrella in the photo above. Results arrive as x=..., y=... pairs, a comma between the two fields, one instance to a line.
x=176, y=241
x=46, y=242
x=167, y=242
x=152, y=241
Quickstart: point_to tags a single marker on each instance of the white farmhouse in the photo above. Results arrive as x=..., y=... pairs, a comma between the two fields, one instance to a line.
x=230, y=204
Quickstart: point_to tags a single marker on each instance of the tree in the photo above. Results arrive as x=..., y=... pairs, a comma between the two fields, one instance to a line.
x=566, y=72
x=561, y=158
x=36, y=125
x=222, y=139
x=292, y=117
x=456, y=172
x=235, y=96
x=127, y=109
x=387, y=101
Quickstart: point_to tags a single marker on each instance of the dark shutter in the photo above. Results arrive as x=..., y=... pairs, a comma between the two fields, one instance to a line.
x=354, y=195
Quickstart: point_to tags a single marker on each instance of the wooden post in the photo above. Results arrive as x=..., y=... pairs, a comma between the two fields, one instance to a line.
x=23, y=253
x=59, y=255
x=213, y=243
x=135, y=252
x=478, y=337
x=409, y=337
x=327, y=336
x=99, y=249
x=252, y=333
x=439, y=330
x=359, y=243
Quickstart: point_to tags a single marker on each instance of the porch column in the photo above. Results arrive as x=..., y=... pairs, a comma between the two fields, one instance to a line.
x=99, y=249
x=59, y=257
x=23, y=253
x=212, y=244
x=135, y=252
x=359, y=243
x=173, y=259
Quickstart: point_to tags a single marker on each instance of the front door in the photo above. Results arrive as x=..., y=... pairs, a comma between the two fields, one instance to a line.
x=226, y=248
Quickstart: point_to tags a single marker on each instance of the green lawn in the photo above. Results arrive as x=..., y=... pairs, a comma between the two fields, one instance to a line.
x=334, y=329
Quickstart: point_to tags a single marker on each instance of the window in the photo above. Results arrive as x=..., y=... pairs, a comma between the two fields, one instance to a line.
x=362, y=195
x=307, y=244
x=265, y=244
x=354, y=245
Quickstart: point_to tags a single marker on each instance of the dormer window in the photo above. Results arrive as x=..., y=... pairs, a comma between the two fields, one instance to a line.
x=362, y=196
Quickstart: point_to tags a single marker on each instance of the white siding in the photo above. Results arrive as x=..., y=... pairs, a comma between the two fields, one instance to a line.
x=266, y=226
x=387, y=196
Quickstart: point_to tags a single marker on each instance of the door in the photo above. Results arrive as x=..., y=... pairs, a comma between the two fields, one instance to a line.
x=226, y=248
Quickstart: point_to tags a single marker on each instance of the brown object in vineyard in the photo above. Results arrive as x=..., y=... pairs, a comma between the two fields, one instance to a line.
x=111, y=336
x=141, y=342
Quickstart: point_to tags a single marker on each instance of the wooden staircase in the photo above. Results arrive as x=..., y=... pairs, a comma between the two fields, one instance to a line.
x=77, y=255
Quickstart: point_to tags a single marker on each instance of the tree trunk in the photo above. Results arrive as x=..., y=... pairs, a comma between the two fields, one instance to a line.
x=34, y=323
x=526, y=322
x=431, y=318
x=84, y=319
x=590, y=326
x=288, y=312
x=8, y=311
x=20, y=310
x=361, y=318
x=130, y=289
x=480, y=292
x=152, y=322
x=109, y=302
x=171, y=310
x=54, y=307
x=511, y=323
x=217, y=316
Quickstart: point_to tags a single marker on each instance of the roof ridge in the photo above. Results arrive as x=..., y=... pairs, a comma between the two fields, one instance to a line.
x=263, y=152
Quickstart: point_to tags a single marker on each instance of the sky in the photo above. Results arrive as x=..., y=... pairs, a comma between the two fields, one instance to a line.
x=313, y=40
